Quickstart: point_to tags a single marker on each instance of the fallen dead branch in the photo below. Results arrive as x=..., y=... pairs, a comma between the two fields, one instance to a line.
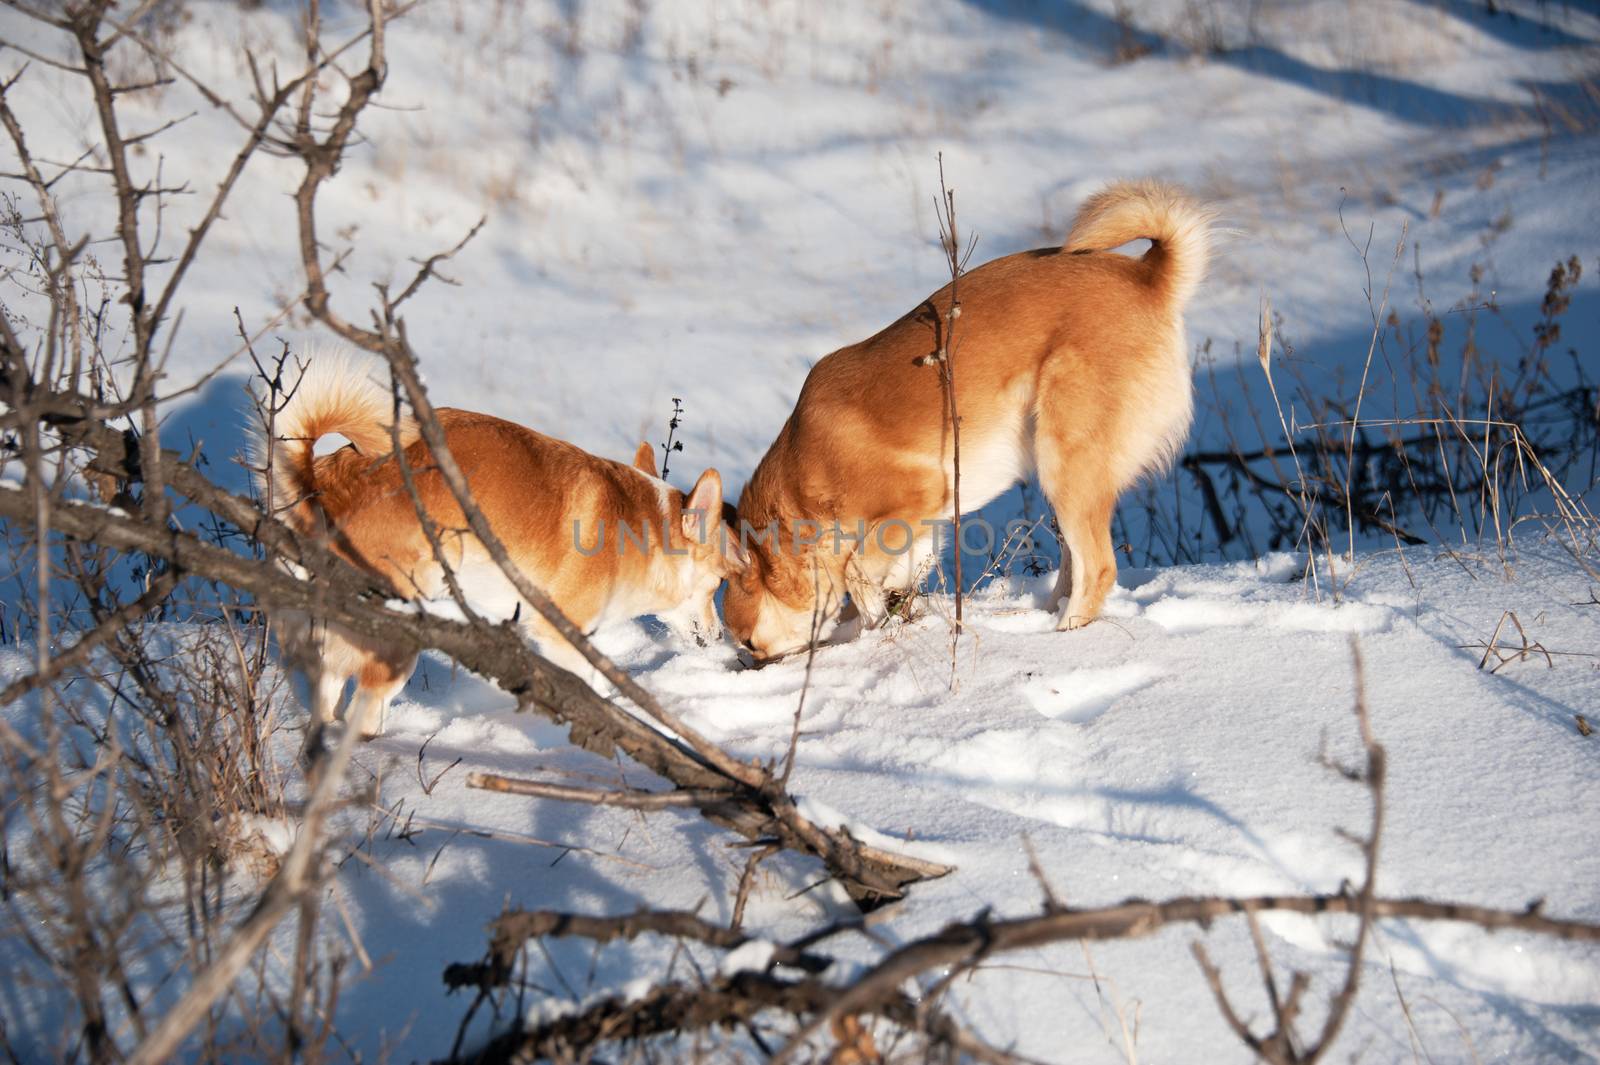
x=732, y=1000
x=814, y=1005
x=633, y=798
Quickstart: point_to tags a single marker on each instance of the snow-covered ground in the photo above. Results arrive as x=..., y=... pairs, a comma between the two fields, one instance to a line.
x=697, y=200
x=1172, y=750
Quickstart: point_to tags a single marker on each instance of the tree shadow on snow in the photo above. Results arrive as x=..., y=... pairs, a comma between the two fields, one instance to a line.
x=1397, y=97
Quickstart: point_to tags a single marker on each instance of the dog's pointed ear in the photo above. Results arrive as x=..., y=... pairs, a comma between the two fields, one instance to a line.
x=735, y=558
x=645, y=458
x=703, y=506
x=734, y=554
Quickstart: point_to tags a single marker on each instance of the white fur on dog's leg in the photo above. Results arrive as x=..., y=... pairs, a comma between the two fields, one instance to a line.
x=326, y=689
x=848, y=629
x=871, y=603
x=367, y=715
x=369, y=706
x=1070, y=614
x=1068, y=618
x=1062, y=592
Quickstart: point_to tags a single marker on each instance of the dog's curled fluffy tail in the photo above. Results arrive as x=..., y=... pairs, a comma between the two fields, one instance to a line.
x=1178, y=227
x=333, y=395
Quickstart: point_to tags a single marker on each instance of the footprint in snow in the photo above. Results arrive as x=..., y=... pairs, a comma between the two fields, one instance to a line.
x=1084, y=694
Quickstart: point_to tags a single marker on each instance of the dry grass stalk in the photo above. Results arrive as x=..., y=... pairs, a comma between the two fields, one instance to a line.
x=1486, y=455
x=956, y=258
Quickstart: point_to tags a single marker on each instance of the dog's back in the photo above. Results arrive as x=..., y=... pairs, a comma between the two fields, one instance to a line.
x=531, y=489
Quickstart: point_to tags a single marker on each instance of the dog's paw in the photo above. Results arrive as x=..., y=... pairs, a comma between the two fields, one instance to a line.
x=1067, y=621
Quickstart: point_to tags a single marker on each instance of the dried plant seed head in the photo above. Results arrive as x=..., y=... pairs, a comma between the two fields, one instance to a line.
x=1264, y=336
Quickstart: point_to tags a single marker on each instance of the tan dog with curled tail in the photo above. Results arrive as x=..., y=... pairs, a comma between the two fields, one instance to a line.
x=604, y=540
x=1070, y=363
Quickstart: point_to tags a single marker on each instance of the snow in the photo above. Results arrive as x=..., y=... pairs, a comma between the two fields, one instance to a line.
x=274, y=834
x=1137, y=758
x=447, y=609
x=699, y=199
x=753, y=955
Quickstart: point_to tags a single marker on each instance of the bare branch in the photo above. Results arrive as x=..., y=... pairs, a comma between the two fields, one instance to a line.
x=78, y=654
x=739, y=998
x=632, y=799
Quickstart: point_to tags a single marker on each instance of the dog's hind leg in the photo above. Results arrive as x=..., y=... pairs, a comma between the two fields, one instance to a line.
x=1087, y=558
x=327, y=688
x=376, y=686
x=316, y=655
x=1082, y=492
